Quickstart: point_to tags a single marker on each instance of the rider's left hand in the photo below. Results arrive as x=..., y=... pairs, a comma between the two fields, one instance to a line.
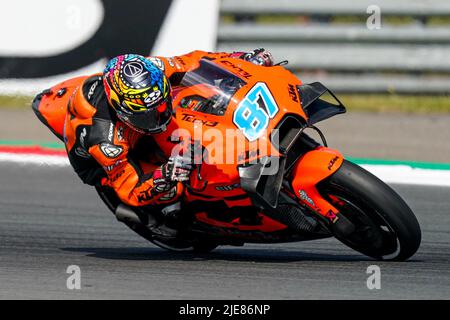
x=260, y=56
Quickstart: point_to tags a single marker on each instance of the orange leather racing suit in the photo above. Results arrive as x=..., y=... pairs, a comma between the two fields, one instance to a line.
x=102, y=149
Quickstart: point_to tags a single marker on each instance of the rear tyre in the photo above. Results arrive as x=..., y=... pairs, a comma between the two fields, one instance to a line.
x=386, y=228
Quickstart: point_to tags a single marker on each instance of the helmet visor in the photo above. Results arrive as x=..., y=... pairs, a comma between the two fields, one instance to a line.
x=150, y=121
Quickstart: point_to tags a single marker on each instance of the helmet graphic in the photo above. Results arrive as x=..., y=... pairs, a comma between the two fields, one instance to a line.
x=139, y=92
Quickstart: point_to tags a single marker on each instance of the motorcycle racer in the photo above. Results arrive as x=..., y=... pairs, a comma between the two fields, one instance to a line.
x=111, y=114
x=121, y=135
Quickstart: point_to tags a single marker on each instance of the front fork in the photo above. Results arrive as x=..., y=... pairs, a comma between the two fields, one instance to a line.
x=312, y=168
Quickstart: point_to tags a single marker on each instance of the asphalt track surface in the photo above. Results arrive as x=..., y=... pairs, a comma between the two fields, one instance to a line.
x=49, y=220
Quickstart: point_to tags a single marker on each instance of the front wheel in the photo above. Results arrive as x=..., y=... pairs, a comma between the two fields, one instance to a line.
x=385, y=226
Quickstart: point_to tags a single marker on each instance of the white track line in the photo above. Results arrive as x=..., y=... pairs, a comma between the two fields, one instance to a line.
x=35, y=159
x=400, y=174
x=407, y=175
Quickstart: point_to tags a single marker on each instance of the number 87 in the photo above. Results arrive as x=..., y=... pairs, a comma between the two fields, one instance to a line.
x=250, y=116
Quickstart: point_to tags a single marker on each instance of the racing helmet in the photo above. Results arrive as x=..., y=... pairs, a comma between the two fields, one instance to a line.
x=139, y=92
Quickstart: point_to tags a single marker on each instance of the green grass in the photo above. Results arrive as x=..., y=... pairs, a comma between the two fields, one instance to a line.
x=338, y=19
x=439, y=21
x=396, y=103
x=15, y=102
x=353, y=102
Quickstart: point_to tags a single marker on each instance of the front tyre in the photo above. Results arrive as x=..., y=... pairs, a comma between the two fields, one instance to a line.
x=386, y=228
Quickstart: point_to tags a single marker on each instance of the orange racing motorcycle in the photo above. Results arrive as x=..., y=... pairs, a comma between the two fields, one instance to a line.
x=278, y=184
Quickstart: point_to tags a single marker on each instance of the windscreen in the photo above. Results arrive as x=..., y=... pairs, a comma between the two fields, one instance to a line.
x=212, y=88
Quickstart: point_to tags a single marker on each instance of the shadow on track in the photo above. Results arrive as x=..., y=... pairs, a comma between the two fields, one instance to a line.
x=233, y=254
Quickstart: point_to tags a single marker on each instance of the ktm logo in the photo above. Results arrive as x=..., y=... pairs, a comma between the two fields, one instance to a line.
x=146, y=195
x=293, y=93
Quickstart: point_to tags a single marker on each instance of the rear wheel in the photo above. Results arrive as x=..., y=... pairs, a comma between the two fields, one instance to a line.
x=385, y=226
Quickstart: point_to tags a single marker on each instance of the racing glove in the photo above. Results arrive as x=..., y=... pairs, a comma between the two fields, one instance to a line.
x=177, y=169
x=260, y=56
x=166, y=177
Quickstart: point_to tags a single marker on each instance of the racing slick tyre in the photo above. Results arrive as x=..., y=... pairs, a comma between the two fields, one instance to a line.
x=385, y=226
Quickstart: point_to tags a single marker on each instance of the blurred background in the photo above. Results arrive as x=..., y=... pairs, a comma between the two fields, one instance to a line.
x=388, y=60
x=384, y=47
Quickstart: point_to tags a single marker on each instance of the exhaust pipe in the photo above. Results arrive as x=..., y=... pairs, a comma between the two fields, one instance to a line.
x=126, y=214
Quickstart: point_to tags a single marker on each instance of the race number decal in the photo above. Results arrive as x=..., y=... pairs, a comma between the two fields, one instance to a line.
x=254, y=112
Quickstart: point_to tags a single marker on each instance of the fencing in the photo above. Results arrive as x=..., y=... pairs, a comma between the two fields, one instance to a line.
x=329, y=41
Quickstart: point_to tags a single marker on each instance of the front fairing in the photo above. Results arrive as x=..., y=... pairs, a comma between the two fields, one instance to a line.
x=206, y=104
